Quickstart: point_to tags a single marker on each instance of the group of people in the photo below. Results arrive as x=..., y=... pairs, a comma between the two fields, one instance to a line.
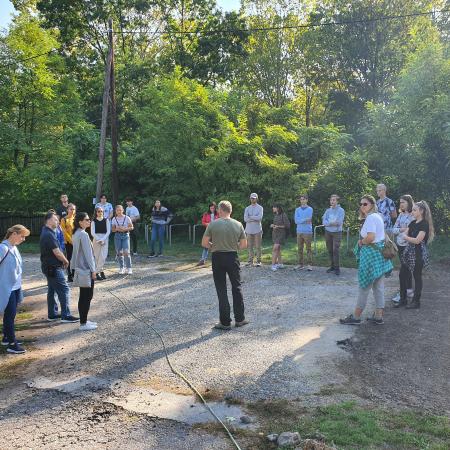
x=379, y=224
x=332, y=220
x=67, y=249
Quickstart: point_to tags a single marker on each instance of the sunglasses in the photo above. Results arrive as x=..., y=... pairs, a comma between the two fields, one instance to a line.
x=364, y=204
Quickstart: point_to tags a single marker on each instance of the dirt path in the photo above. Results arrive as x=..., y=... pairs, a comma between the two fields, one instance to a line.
x=407, y=363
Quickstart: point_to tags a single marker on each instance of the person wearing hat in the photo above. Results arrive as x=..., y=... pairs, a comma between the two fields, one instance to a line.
x=253, y=215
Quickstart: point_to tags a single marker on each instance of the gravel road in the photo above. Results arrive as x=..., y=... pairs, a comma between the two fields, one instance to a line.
x=79, y=384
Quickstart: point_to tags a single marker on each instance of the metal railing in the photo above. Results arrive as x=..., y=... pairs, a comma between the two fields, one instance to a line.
x=148, y=231
x=179, y=225
x=315, y=237
x=194, y=231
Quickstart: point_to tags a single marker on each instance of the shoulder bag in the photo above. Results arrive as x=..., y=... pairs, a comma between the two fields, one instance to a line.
x=82, y=278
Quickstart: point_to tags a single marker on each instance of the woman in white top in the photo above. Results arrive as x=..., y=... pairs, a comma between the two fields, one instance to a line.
x=371, y=263
x=100, y=231
x=121, y=226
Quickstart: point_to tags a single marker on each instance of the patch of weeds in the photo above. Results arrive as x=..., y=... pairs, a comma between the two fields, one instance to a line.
x=353, y=427
x=24, y=315
x=331, y=389
x=11, y=366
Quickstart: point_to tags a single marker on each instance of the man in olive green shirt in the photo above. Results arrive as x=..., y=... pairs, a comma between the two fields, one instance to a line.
x=224, y=237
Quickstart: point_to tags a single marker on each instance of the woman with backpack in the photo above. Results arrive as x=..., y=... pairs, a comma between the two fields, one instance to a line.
x=11, y=284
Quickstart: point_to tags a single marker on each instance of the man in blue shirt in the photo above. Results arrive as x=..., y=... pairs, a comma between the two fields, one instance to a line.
x=333, y=220
x=303, y=219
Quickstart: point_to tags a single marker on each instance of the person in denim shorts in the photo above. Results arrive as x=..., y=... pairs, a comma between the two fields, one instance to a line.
x=121, y=227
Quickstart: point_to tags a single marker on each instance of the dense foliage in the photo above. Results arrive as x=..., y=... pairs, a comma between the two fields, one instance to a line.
x=266, y=105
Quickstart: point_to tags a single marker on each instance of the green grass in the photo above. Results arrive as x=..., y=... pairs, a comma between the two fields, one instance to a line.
x=352, y=427
x=183, y=249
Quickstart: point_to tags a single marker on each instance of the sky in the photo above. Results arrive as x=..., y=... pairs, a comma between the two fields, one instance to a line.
x=6, y=8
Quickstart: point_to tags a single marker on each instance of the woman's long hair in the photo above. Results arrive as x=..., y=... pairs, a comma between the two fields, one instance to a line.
x=373, y=209
x=279, y=208
x=426, y=214
x=209, y=208
x=80, y=216
x=19, y=229
x=408, y=199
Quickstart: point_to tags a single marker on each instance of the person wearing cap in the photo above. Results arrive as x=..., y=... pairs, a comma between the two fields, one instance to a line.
x=253, y=215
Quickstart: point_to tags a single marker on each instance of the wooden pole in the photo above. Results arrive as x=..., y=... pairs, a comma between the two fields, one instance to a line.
x=101, y=150
x=114, y=125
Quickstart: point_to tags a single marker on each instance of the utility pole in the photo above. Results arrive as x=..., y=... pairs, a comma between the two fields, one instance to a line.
x=114, y=131
x=101, y=150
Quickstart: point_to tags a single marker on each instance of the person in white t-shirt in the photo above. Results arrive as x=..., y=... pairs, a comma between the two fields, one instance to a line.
x=371, y=263
x=133, y=213
x=121, y=225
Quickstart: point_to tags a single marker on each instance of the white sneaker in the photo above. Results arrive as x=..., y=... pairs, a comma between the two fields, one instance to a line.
x=410, y=293
x=122, y=271
x=88, y=326
x=135, y=254
x=309, y=268
x=130, y=271
x=396, y=297
x=91, y=323
x=274, y=267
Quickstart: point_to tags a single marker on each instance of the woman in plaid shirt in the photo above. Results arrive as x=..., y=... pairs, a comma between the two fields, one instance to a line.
x=371, y=263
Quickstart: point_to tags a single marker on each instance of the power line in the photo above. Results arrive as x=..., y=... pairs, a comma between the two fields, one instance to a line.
x=283, y=27
x=253, y=30
x=19, y=61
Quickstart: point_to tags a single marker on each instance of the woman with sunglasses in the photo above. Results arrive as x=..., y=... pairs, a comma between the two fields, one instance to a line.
x=371, y=263
x=11, y=284
x=100, y=231
x=83, y=260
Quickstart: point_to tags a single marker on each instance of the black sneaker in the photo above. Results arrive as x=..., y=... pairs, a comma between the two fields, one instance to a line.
x=376, y=321
x=337, y=272
x=5, y=341
x=15, y=348
x=330, y=270
x=98, y=277
x=152, y=255
x=350, y=320
x=70, y=279
x=70, y=319
x=102, y=274
x=52, y=319
x=219, y=326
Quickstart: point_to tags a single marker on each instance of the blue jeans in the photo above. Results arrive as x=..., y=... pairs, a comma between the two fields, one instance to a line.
x=204, y=254
x=157, y=233
x=58, y=285
x=9, y=315
x=122, y=242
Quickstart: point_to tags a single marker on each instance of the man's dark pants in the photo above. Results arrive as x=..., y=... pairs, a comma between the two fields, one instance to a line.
x=224, y=263
x=333, y=241
x=133, y=238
